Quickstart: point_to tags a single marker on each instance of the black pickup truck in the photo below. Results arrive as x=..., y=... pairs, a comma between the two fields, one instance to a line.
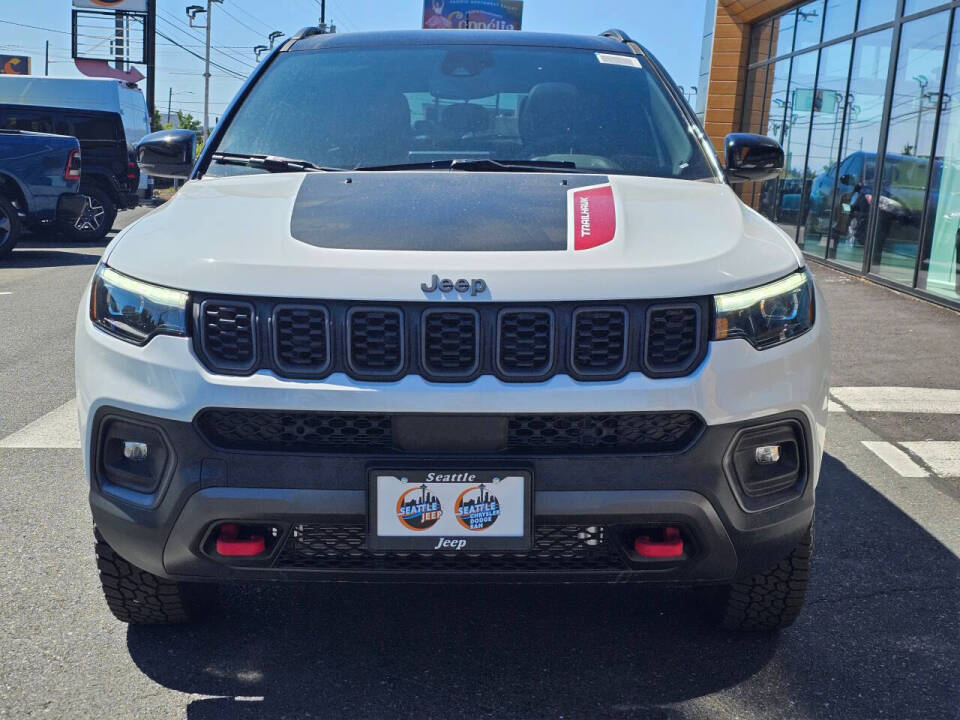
x=39, y=180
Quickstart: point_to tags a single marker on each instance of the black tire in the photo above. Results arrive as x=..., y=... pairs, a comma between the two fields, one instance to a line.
x=10, y=227
x=98, y=215
x=138, y=597
x=770, y=600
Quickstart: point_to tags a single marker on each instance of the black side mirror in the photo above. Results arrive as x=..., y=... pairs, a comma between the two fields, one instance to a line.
x=168, y=153
x=848, y=179
x=752, y=158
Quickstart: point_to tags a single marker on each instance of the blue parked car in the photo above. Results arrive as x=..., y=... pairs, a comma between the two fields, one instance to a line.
x=39, y=180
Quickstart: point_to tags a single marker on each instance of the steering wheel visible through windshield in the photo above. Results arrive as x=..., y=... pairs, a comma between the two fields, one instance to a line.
x=425, y=106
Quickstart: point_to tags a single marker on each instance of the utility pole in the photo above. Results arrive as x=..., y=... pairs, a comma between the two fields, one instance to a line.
x=46, y=60
x=169, y=102
x=150, y=50
x=192, y=13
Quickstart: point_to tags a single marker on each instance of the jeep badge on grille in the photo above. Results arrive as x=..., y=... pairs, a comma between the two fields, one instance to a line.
x=462, y=286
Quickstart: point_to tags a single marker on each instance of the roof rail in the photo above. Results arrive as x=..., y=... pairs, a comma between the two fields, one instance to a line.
x=618, y=35
x=300, y=35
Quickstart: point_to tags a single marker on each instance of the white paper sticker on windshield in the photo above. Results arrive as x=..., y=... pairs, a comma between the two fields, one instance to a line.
x=611, y=59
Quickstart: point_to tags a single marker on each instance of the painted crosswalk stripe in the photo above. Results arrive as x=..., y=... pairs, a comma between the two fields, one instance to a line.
x=56, y=429
x=941, y=456
x=899, y=399
x=895, y=458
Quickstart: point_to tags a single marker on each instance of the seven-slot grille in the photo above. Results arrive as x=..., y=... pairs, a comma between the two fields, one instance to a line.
x=451, y=342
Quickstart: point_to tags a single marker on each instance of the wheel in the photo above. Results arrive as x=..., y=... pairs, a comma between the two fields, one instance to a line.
x=770, y=600
x=138, y=597
x=96, y=220
x=10, y=227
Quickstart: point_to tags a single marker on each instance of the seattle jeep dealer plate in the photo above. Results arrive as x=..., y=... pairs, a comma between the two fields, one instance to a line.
x=449, y=510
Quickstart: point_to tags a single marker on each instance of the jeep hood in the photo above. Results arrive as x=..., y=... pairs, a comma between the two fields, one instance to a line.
x=529, y=236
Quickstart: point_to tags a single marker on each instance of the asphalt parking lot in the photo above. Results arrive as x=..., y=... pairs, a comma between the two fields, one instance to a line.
x=880, y=636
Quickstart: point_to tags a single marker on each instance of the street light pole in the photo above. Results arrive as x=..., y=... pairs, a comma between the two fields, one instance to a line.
x=192, y=12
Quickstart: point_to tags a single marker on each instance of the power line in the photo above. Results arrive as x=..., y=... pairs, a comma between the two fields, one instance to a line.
x=238, y=75
x=176, y=23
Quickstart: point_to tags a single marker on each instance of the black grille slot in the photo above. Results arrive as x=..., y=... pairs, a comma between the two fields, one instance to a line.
x=344, y=547
x=599, y=345
x=295, y=431
x=375, y=341
x=372, y=433
x=227, y=334
x=640, y=432
x=673, y=339
x=451, y=342
x=301, y=338
x=525, y=345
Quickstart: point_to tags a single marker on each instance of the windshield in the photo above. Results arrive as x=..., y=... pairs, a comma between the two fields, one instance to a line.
x=423, y=106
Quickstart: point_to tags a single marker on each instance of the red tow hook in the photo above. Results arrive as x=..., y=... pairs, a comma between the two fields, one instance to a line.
x=230, y=544
x=670, y=547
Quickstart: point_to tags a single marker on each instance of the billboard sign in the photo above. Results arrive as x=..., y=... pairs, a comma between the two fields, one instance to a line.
x=139, y=6
x=14, y=65
x=472, y=14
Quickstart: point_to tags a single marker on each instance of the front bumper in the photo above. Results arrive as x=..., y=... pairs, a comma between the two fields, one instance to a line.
x=164, y=532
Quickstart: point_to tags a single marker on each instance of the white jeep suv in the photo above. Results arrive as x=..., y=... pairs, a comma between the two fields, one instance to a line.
x=441, y=306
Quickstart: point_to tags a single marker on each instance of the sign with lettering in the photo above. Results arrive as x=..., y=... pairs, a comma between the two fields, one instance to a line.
x=473, y=14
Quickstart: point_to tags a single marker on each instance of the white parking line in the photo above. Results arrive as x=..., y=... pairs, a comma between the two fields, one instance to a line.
x=56, y=429
x=6, y=293
x=942, y=456
x=899, y=399
x=895, y=458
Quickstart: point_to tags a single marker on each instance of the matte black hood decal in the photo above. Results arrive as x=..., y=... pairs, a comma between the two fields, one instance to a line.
x=435, y=211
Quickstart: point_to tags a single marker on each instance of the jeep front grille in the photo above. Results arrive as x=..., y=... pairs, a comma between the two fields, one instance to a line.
x=373, y=433
x=451, y=342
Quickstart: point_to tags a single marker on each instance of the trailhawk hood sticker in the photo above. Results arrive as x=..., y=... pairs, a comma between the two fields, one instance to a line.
x=454, y=211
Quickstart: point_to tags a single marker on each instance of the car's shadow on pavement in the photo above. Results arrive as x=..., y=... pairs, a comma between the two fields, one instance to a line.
x=878, y=638
x=51, y=249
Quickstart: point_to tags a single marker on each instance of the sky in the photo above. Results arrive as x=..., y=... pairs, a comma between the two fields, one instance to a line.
x=671, y=30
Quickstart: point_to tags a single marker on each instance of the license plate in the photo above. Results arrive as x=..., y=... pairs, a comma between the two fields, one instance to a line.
x=450, y=510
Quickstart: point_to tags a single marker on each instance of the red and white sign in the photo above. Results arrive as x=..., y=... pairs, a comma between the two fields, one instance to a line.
x=594, y=217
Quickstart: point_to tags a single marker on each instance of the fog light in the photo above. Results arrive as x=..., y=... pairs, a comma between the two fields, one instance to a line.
x=134, y=450
x=767, y=454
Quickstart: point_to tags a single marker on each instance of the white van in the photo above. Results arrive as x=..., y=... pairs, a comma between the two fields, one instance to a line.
x=107, y=116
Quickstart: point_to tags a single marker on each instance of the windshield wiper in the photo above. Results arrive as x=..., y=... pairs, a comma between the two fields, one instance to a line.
x=483, y=165
x=270, y=163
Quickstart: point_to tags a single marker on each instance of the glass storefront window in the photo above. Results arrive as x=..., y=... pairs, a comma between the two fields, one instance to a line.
x=898, y=195
x=838, y=225
x=783, y=27
x=809, y=21
x=876, y=12
x=801, y=101
x=914, y=6
x=839, y=18
x=775, y=108
x=940, y=269
x=825, y=136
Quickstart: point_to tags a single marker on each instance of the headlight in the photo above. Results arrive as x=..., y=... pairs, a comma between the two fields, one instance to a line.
x=767, y=315
x=133, y=310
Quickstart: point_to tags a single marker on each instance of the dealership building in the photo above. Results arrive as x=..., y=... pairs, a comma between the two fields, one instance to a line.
x=864, y=97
